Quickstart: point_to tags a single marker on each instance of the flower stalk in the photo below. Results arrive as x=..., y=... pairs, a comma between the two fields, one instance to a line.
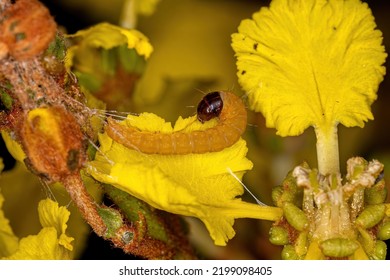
x=327, y=150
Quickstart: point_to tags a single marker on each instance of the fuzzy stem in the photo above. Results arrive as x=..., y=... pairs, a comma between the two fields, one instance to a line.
x=85, y=203
x=327, y=150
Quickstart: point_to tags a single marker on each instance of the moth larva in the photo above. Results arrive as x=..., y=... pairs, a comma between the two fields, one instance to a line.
x=227, y=107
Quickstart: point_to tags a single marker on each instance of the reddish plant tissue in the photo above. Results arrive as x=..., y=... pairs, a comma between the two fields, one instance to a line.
x=54, y=153
x=26, y=29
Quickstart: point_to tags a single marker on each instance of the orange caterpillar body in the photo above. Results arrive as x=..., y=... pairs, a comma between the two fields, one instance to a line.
x=232, y=119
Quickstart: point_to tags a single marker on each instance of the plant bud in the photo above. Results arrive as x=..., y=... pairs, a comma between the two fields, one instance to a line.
x=338, y=247
x=53, y=142
x=371, y=215
x=278, y=235
x=295, y=216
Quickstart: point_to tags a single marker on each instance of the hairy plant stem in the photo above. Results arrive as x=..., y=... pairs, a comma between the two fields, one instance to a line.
x=85, y=203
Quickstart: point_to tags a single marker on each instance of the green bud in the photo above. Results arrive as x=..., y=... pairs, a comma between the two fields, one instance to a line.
x=287, y=192
x=295, y=216
x=112, y=219
x=288, y=253
x=278, y=235
x=371, y=215
x=376, y=194
x=379, y=250
x=301, y=244
x=338, y=247
x=384, y=231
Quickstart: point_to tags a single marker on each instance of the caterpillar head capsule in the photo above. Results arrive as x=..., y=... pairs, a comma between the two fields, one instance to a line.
x=210, y=106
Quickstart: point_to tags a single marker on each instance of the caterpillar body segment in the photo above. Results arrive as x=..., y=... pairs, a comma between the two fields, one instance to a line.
x=232, y=120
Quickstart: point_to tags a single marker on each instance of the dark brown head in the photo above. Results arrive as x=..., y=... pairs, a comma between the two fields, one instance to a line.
x=210, y=106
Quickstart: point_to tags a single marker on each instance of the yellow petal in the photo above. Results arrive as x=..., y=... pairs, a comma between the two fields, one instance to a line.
x=314, y=251
x=51, y=243
x=50, y=215
x=43, y=246
x=23, y=191
x=360, y=254
x=8, y=241
x=107, y=36
x=196, y=185
x=13, y=147
x=310, y=63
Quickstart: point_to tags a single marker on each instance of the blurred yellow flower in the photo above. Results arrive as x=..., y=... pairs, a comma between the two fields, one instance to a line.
x=22, y=192
x=50, y=243
x=310, y=63
x=196, y=185
x=84, y=55
x=108, y=61
x=146, y=7
x=107, y=36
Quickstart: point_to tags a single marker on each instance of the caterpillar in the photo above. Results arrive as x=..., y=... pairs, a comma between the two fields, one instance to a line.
x=226, y=106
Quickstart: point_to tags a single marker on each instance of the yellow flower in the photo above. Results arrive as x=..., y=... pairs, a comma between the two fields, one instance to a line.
x=83, y=57
x=86, y=54
x=196, y=185
x=108, y=61
x=50, y=243
x=108, y=36
x=310, y=63
x=23, y=191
